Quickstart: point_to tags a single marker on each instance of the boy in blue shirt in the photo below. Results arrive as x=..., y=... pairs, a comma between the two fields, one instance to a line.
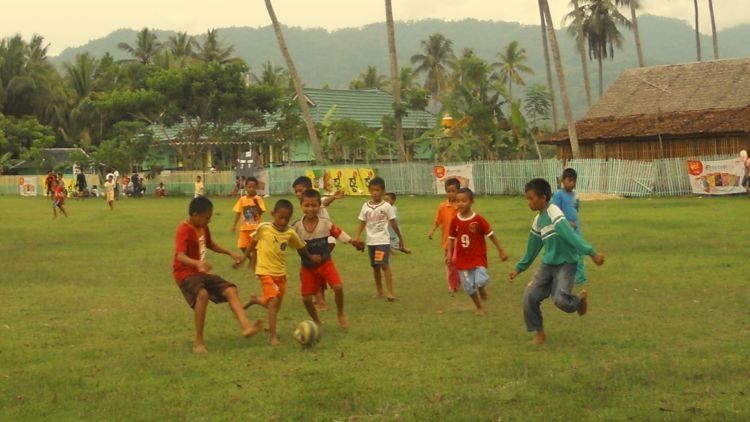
x=567, y=200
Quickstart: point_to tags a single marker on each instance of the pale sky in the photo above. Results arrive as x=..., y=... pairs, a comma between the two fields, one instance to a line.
x=71, y=23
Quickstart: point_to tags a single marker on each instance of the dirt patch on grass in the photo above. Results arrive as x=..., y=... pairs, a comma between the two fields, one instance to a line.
x=598, y=197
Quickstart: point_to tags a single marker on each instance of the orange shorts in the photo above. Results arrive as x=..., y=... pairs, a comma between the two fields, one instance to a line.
x=273, y=286
x=243, y=241
x=315, y=279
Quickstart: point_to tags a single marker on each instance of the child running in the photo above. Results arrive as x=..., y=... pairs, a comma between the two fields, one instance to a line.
x=199, y=189
x=109, y=190
x=562, y=247
x=376, y=215
x=467, y=249
x=193, y=273
x=315, y=231
x=58, y=197
x=250, y=209
x=390, y=198
x=272, y=240
x=567, y=200
x=445, y=214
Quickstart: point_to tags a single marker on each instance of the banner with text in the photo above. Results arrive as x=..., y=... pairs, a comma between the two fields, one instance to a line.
x=716, y=177
x=351, y=181
x=463, y=173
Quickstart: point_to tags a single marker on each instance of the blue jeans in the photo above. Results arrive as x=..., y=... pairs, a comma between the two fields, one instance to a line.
x=554, y=281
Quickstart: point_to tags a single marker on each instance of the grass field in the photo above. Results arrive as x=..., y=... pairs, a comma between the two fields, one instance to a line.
x=93, y=326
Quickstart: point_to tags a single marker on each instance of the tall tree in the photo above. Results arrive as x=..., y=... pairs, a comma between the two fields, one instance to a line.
x=146, y=47
x=715, y=38
x=548, y=66
x=697, y=32
x=182, y=47
x=213, y=50
x=274, y=76
x=369, y=79
x=436, y=56
x=634, y=6
x=572, y=134
x=512, y=64
x=301, y=99
x=576, y=30
x=398, y=109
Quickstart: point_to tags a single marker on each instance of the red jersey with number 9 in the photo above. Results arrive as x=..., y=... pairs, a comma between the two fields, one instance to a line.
x=470, y=249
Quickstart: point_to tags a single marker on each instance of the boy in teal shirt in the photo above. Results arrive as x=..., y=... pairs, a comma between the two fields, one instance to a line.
x=567, y=200
x=562, y=248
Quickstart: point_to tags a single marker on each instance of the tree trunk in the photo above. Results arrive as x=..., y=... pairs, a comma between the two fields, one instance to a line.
x=636, y=34
x=395, y=81
x=314, y=141
x=548, y=67
x=601, y=77
x=697, y=32
x=561, y=79
x=582, y=53
x=713, y=29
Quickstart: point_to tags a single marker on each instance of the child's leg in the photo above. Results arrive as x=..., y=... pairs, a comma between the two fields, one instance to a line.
x=310, y=306
x=378, y=281
x=320, y=300
x=54, y=210
x=201, y=303
x=388, y=281
x=234, y=303
x=273, y=311
x=62, y=209
x=338, y=292
x=536, y=291
x=562, y=286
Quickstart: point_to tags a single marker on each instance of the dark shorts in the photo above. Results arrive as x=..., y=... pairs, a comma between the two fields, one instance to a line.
x=58, y=203
x=213, y=284
x=379, y=255
x=746, y=181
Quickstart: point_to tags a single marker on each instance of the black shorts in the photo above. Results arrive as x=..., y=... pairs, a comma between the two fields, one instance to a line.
x=746, y=181
x=214, y=285
x=379, y=255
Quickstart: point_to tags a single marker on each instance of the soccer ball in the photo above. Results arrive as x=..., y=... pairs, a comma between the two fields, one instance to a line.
x=307, y=333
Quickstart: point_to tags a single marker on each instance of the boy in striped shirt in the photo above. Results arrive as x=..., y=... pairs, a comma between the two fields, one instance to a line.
x=562, y=248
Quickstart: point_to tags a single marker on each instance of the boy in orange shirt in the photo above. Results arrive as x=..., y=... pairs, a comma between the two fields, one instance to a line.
x=445, y=214
x=250, y=209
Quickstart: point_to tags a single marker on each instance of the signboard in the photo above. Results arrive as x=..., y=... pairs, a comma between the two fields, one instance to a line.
x=463, y=173
x=352, y=181
x=27, y=185
x=716, y=177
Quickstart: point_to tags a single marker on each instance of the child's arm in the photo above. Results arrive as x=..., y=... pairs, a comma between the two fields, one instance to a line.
x=451, y=247
x=305, y=253
x=201, y=266
x=343, y=237
x=565, y=231
x=328, y=200
x=360, y=228
x=533, y=246
x=220, y=249
x=236, y=220
x=500, y=250
x=249, y=250
x=435, y=224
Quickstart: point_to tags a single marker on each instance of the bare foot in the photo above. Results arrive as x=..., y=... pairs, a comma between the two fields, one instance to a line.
x=200, y=349
x=274, y=341
x=539, y=338
x=322, y=307
x=253, y=301
x=253, y=329
x=583, y=306
x=480, y=312
x=406, y=251
x=483, y=294
x=343, y=322
x=391, y=298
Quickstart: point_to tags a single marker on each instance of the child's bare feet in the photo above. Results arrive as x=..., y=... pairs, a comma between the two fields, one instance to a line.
x=480, y=312
x=583, y=306
x=483, y=294
x=253, y=301
x=321, y=306
x=343, y=322
x=200, y=349
x=391, y=298
x=539, y=338
x=274, y=341
x=253, y=329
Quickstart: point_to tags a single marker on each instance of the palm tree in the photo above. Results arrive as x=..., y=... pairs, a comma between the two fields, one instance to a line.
x=634, y=6
x=576, y=31
x=395, y=82
x=600, y=21
x=561, y=79
x=271, y=75
x=697, y=32
x=713, y=29
x=27, y=80
x=213, y=50
x=547, y=66
x=80, y=75
x=301, y=99
x=369, y=79
x=512, y=64
x=146, y=47
x=182, y=46
x=438, y=53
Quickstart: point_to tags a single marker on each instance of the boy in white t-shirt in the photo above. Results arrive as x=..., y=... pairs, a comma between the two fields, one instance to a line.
x=377, y=215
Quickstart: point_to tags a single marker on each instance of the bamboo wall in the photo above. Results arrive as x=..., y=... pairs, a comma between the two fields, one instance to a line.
x=652, y=150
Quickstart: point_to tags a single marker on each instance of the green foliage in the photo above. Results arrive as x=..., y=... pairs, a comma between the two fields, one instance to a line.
x=24, y=138
x=128, y=149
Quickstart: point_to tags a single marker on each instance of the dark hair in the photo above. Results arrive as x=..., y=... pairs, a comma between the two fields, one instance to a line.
x=378, y=181
x=199, y=178
x=391, y=194
x=468, y=192
x=251, y=179
x=311, y=193
x=452, y=182
x=304, y=181
x=569, y=173
x=200, y=205
x=283, y=204
x=540, y=187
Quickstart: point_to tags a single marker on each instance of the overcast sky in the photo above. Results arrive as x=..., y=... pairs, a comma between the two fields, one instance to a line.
x=72, y=23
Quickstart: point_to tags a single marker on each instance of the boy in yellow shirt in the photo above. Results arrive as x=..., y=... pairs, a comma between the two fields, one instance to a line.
x=250, y=209
x=272, y=240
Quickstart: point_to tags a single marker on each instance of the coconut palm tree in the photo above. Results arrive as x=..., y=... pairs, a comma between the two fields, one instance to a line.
x=301, y=99
x=511, y=65
x=715, y=38
x=271, y=75
x=213, y=50
x=572, y=134
x=697, y=32
x=398, y=112
x=146, y=47
x=601, y=19
x=438, y=53
x=27, y=79
x=547, y=66
x=634, y=5
x=576, y=31
x=369, y=79
x=182, y=47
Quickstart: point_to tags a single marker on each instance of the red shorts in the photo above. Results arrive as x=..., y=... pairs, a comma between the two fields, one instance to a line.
x=315, y=279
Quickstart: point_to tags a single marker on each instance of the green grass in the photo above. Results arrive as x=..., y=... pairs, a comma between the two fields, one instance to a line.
x=93, y=326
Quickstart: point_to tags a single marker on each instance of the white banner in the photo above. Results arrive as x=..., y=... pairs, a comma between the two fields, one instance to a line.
x=262, y=176
x=27, y=185
x=463, y=173
x=716, y=177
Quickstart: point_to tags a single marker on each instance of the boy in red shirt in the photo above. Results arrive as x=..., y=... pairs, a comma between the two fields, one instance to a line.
x=58, y=198
x=445, y=214
x=468, y=249
x=193, y=273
